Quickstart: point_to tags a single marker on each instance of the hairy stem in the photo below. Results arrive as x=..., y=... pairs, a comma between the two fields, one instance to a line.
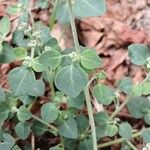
x=91, y=117
x=73, y=27
x=131, y=145
x=117, y=141
x=45, y=123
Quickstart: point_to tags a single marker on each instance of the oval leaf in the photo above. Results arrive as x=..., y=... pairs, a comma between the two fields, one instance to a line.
x=125, y=130
x=138, y=54
x=69, y=129
x=50, y=59
x=49, y=112
x=20, y=52
x=90, y=60
x=22, y=130
x=104, y=94
x=71, y=80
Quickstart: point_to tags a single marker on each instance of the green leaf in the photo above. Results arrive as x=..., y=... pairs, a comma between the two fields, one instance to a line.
x=138, y=54
x=23, y=114
x=22, y=130
x=13, y=9
x=20, y=52
x=100, y=131
x=71, y=80
x=111, y=130
x=16, y=147
x=147, y=118
x=94, y=7
x=4, y=111
x=37, y=66
x=2, y=94
x=82, y=123
x=137, y=90
x=1, y=47
x=125, y=130
x=77, y=102
x=38, y=88
x=69, y=129
x=4, y=26
x=49, y=112
x=7, y=55
x=105, y=95
x=125, y=85
x=24, y=81
x=90, y=60
x=50, y=59
x=56, y=148
x=86, y=144
x=43, y=4
x=146, y=135
x=146, y=88
x=137, y=106
x=101, y=118
x=8, y=142
x=39, y=128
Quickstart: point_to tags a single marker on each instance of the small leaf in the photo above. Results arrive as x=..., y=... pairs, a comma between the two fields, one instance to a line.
x=137, y=90
x=39, y=128
x=82, y=123
x=146, y=88
x=125, y=130
x=101, y=118
x=38, y=88
x=146, y=135
x=22, y=130
x=13, y=9
x=94, y=7
x=8, y=143
x=90, y=60
x=23, y=114
x=138, y=54
x=71, y=80
x=49, y=112
x=111, y=130
x=125, y=85
x=137, y=106
x=2, y=94
x=69, y=129
x=1, y=47
x=4, y=26
x=4, y=111
x=50, y=59
x=86, y=144
x=24, y=81
x=147, y=118
x=105, y=95
x=7, y=55
x=20, y=52
x=37, y=66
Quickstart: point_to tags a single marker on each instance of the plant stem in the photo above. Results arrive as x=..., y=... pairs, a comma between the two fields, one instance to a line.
x=118, y=140
x=53, y=16
x=73, y=27
x=131, y=145
x=45, y=123
x=91, y=117
x=119, y=108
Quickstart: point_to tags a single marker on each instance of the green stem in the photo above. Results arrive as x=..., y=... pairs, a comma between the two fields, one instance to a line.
x=73, y=27
x=91, y=117
x=45, y=123
x=119, y=108
x=131, y=145
x=117, y=141
x=32, y=52
x=53, y=16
